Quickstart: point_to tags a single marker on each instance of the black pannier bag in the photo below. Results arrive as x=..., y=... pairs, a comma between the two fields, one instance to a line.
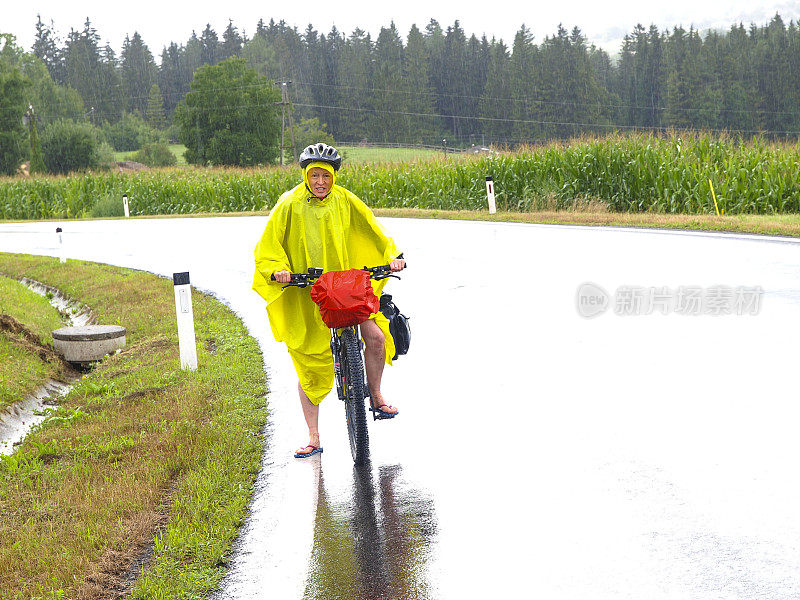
x=398, y=325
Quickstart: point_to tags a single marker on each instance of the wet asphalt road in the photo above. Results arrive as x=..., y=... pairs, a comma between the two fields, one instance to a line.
x=538, y=454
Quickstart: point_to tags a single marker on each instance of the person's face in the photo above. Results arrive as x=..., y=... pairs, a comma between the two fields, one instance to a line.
x=320, y=181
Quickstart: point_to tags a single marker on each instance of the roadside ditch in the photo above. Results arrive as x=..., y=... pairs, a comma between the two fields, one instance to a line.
x=18, y=419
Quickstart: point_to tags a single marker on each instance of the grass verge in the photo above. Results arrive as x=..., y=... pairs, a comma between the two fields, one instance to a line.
x=780, y=225
x=137, y=446
x=27, y=361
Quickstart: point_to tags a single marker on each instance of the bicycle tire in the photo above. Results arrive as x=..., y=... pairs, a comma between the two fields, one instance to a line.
x=352, y=366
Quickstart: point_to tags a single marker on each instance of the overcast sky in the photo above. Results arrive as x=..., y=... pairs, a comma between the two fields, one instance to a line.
x=165, y=21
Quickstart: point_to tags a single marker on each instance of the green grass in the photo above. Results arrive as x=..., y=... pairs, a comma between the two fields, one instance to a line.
x=138, y=446
x=177, y=149
x=29, y=307
x=778, y=225
x=369, y=155
x=23, y=365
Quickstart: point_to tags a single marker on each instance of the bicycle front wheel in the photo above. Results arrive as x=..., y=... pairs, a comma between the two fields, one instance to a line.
x=352, y=365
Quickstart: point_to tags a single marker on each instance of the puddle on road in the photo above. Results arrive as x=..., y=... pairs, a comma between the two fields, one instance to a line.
x=17, y=420
x=376, y=547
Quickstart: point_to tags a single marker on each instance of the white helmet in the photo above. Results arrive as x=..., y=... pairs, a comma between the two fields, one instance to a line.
x=321, y=153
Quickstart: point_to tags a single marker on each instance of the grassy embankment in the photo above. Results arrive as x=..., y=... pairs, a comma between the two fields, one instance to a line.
x=138, y=446
x=775, y=225
x=27, y=321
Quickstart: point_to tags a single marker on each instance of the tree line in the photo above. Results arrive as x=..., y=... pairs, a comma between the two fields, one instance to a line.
x=443, y=84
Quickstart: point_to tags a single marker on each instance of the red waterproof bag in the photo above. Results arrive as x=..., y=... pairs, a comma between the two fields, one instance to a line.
x=345, y=297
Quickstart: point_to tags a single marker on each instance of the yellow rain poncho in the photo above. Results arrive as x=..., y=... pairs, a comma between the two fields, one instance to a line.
x=336, y=233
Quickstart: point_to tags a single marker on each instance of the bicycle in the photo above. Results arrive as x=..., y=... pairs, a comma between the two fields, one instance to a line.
x=348, y=366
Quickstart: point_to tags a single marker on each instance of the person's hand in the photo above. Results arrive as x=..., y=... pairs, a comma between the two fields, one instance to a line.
x=398, y=264
x=282, y=276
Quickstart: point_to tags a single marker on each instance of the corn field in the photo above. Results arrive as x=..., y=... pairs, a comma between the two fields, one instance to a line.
x=633, y=173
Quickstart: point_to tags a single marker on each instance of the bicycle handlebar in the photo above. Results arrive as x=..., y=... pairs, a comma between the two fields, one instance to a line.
x=306, y=279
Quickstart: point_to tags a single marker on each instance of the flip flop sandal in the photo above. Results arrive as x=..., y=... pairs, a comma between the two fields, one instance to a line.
x=314, y=450
x=378, y=413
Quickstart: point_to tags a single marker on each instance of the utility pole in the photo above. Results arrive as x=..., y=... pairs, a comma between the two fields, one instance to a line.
x=286, y=107
x=36, y=164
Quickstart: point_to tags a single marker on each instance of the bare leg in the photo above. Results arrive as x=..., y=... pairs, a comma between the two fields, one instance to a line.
x=374, y=360
x=311, y=414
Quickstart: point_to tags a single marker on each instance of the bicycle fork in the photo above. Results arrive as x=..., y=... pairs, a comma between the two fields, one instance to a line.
x=339, y=373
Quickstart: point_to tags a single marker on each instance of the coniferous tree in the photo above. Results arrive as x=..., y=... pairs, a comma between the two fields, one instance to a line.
x=154, y=113
x=523, y=93
x=138, y=72
x=690, y=102
x=292, y=65
x=261, y=56
x=388, y=122
x=434, y=42
x=210, y=47
x=603, y=70
x=737, y=81
x=311, y=74
x=496, y=105
x=420, y=99
x=45, y=46
x=357, y=62
x=775, y=79
x=114, y=99
x=744, y=80
x=170, y=78
x=92, y=71
x=331, y=91
x=232, y=42
x=455, y=91
x=191, y=59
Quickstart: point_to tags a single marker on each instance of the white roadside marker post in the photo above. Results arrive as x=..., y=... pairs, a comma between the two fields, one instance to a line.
x=183, y=307
x=125, y=205
x=61, y=256
x=490, y=195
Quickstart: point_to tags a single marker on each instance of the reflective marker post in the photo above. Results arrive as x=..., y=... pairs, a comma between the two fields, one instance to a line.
x=490, y=195
x=61, y=256
x=183, y=307
x=125, y=205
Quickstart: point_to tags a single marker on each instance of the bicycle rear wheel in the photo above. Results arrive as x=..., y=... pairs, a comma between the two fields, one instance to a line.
x=352, y=366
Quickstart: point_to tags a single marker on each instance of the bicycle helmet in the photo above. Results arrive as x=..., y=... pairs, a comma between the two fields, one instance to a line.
x=321, y=153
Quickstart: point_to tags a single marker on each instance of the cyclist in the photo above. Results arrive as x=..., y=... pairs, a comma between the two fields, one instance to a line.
x=321, y=224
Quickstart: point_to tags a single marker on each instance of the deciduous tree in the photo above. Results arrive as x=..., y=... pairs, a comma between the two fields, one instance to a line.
x=230, y=116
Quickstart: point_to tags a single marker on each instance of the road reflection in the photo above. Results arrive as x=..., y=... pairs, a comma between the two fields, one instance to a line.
x=375, y=547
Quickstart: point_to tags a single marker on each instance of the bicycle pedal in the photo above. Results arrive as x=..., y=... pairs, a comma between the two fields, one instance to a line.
x=379, y=415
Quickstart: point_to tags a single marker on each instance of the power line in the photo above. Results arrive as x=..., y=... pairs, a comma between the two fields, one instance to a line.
x=504, y=120
x=528, y=102
x=543, y=122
